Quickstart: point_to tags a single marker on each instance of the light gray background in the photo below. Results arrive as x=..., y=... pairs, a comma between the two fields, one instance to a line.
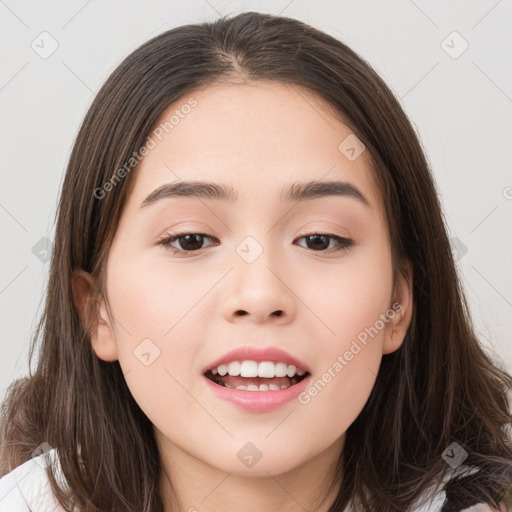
x=461, y=108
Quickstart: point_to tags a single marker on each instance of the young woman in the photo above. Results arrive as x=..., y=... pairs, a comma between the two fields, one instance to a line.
x=253, y=303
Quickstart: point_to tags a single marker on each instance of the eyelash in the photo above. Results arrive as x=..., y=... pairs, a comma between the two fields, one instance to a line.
x=344, y=243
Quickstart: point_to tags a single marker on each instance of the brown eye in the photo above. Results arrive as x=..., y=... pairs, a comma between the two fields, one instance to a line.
x=193, y=242
x=320, y=242
x=188, y=242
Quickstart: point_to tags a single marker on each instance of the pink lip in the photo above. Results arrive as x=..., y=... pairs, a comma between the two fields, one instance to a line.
x=258, y=354
x=258, y=401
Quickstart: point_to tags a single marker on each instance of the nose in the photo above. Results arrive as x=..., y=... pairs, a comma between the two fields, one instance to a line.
x=259, y=293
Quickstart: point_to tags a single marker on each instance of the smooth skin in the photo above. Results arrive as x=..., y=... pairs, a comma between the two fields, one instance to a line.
x=257, y=138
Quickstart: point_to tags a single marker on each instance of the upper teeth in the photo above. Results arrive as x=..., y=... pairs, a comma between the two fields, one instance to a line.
x=265, y=369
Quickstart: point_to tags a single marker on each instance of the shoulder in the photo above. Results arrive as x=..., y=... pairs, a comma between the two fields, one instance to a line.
x=433, y=500
x=27, y=488
x=480, y=507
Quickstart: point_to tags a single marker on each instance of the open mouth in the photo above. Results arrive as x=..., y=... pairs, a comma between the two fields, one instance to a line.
x=254, y=383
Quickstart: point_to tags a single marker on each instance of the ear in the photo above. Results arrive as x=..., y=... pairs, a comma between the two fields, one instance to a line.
x=402, y=305
x=94, y=320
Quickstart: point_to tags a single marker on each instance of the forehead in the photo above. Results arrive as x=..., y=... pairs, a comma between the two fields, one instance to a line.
x=256, y=137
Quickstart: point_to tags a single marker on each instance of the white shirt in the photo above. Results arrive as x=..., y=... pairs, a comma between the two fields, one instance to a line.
x=27, y=489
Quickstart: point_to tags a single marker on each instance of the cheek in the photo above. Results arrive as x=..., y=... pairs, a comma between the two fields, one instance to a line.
x=355, y=305
x=359, y=301
x=353, y=296
x=156, y=339
x=152, y=298
x=155, y=303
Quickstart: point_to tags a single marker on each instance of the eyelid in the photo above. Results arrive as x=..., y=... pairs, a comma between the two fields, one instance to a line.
x=321, y=231
x=185, y=231
x=325, y=228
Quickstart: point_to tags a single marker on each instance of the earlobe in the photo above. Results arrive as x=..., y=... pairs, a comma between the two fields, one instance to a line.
x=402, y=305
x=94, y=318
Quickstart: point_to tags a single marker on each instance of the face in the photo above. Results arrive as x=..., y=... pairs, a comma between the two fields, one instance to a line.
x=310, y=276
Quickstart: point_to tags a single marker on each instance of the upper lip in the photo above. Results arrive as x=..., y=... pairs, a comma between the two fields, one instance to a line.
x=258, y=354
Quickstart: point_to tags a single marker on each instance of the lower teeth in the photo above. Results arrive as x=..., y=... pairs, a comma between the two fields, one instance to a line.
x=253, y=387
x=261, y=387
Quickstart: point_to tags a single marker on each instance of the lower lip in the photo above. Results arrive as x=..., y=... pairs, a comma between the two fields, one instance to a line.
x=258, y=401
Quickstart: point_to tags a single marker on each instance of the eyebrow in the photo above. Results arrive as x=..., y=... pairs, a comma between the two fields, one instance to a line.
x=294, y=192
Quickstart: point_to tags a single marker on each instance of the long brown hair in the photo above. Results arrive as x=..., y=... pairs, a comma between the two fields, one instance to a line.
x=440, y=387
